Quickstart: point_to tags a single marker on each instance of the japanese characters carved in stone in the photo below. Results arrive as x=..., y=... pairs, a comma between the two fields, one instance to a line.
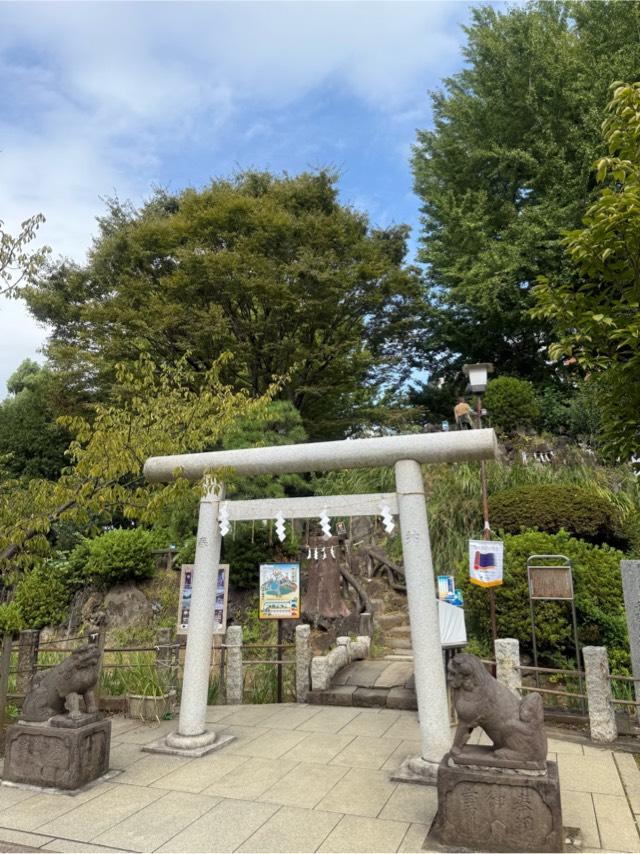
x=59, y=689
x=514, y=725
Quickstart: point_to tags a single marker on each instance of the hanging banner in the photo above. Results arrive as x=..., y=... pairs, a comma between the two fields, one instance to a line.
x=279, y=591
x=184, y=602
x=485, y=562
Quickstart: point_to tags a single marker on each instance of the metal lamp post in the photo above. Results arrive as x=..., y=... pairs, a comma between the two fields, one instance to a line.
x=478, y=379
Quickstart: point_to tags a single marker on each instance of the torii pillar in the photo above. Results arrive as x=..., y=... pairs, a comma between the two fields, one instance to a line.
x=406, y=454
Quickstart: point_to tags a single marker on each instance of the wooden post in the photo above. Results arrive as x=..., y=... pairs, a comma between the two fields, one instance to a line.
x=99, y=637
x=164, y=668
x=5, y=666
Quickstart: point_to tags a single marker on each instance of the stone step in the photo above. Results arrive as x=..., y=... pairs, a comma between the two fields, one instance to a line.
x=398, y=643
x=389, y=621
x=403, y=631
x=399, y=656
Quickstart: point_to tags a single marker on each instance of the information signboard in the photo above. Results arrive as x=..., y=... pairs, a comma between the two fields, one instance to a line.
x=279, y=591
x=550, y=582
x=485, y=562
x=186, y=590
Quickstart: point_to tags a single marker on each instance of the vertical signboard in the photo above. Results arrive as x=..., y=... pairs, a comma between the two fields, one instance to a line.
x=186, y=589
x=279, y=591
x=485, y=562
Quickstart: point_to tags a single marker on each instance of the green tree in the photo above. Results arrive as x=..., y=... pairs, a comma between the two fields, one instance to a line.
x=511, y=404
x=17, y=262
x=273, y=270
x=155, y=411
x=507, y=167
x=596, y=310
x=31, y=441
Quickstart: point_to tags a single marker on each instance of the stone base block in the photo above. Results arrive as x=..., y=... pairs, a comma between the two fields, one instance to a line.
x=193, y=748
x=415, y=769
x=490, y=809
x=68, y=758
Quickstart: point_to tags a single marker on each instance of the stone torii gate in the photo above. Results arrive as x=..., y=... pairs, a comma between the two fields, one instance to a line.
x=406, y=454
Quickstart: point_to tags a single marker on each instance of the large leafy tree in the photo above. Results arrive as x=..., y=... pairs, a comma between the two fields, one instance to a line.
x=32, y=443
x=596, y=312
x=156, y=410
x=274, y=270
x=507, y=168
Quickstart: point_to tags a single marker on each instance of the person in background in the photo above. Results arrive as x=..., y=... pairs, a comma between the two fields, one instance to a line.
x=463, y=414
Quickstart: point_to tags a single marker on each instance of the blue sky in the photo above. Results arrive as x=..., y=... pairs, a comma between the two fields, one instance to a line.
x=98, y=99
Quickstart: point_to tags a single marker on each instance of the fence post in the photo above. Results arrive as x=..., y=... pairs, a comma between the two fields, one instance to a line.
x=303, y=662
x=507, y=651
x=165, y=661
x=27, y=660
x=602, y=718
x=5, y=666
x=235, y=682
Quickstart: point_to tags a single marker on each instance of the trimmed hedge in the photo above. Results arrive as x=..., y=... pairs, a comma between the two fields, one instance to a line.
x=123, y=554
x=598, y=597
x=553, y=507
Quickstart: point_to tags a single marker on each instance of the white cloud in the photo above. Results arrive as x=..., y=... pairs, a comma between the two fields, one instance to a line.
x=96, y=96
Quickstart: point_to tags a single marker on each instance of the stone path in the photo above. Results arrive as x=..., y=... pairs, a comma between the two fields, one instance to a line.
x=383, y=683
x=297, y=778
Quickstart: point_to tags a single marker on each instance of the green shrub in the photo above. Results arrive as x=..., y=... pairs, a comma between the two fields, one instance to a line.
x=552, y=507
x=598, y=597
x=41, y=597
x=511, y=404
x=10, y=618
x=120, y=555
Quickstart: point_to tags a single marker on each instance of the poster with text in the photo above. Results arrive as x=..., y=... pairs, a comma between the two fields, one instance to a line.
x=485, y=562
x=186, y=590
x=279, y=591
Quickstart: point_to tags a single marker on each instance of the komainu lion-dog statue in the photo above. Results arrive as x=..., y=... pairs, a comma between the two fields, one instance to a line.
x=59, y=689
x=514, y=725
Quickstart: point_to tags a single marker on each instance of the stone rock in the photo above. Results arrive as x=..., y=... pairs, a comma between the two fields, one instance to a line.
x=125, y=605
x=486, y=809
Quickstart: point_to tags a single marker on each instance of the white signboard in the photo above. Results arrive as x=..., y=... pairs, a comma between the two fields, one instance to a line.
x=485, y=562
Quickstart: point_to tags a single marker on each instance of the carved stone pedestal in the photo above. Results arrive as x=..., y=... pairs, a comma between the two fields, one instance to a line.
x=496, y=809
x=63, y=756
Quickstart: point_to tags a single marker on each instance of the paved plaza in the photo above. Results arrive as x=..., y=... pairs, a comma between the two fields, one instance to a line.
x=297, y=778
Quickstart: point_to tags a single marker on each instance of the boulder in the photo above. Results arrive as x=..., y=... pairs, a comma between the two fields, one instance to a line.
x=125, y=605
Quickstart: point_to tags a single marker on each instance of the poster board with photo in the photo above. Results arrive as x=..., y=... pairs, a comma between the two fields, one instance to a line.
x=186, y=590
x=279, y=591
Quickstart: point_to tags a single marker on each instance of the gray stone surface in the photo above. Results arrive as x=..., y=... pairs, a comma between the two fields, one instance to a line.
x=303, y=662
x=486, y=809
x=515, y=726
x=234, y=675
x=602, y=717
x=58, y=689
x=39, y=754
x=370, y=697
x=125, y=605
x=630, y=572
x=507, y=652
x=402, y=698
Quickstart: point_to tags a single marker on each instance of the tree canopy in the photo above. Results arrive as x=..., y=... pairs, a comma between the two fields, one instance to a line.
x=272, y=269
x=596, y=311
x=508, y=167
x=32, y=444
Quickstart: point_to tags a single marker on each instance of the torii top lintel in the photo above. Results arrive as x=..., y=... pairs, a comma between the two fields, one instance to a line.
x=463, y=445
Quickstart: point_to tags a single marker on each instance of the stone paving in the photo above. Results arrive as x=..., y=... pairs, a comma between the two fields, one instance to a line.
x=297, y=778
